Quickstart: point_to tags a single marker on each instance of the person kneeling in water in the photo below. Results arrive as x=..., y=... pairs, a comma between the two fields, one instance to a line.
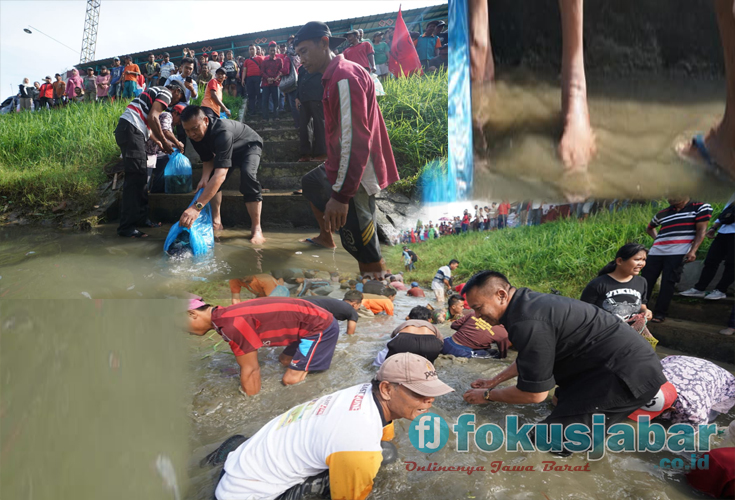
x=309, y=332
x=333, y=443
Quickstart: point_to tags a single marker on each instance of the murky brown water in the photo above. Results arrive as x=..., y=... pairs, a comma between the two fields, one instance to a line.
x=637, y=121
x=111, y=399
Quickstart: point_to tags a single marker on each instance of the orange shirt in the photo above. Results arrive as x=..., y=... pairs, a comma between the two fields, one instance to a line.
x=207, y=101
x=131, y=67
x=261, y=285
x=378, y=306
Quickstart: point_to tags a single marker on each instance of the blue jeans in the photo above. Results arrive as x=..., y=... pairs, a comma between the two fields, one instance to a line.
x=114, y=90
x=461, y=351
x=270, y=94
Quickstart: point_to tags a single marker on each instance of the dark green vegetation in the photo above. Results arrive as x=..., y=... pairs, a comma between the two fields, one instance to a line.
x=565, y=254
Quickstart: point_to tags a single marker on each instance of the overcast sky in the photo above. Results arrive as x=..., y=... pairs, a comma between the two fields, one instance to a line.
x=131, y=26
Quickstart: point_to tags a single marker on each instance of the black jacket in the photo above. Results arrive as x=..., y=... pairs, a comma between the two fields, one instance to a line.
x=310, y=86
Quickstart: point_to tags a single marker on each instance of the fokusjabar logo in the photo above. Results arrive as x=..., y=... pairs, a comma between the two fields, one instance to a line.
x=428, y=432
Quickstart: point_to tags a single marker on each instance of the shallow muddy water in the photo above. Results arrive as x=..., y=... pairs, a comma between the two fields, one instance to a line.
x=48, y=264
x=637, y=122
x=112, y=399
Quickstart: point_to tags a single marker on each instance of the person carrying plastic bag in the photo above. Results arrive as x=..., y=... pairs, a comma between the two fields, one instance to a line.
x=177, y=174
x=199, y=238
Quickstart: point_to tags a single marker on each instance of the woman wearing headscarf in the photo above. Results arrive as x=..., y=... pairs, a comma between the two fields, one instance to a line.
x=74, y=82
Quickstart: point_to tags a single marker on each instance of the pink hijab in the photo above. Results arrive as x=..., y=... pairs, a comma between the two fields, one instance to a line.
x=73, y=82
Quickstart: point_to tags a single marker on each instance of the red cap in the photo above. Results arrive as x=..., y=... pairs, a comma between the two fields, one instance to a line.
x=273, y=42
x=179, y=108
x=661, y=402
x=195, y=302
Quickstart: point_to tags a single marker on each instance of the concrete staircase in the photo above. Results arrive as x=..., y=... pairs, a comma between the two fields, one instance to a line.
x=693, y=326
x=280, y=173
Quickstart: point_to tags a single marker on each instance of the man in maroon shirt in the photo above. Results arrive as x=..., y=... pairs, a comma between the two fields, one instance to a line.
x=359, y=51
x=309, y=333
x=360, y=160
x=474, y=337
x=250, y=78
x=271, y=69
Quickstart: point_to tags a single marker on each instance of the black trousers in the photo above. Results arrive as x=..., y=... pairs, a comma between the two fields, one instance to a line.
x=669, y=267
x=252, y=85
x=134, y=209
x=723, y=248
x=248, y=164
x=312, y=110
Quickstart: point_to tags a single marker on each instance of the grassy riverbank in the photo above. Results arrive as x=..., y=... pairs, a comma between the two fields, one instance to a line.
x=564, y=254
x=47, y=158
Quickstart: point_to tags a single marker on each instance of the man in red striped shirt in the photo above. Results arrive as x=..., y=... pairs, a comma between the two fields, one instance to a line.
x=683, y=226
x=309, y=333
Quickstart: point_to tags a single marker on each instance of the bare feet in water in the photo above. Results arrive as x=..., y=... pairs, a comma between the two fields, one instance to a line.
x=578, y=141
x=257, y=238
x=714, y=149
x=321, y=241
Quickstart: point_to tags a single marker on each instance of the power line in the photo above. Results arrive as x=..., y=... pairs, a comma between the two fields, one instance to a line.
x=52, y=38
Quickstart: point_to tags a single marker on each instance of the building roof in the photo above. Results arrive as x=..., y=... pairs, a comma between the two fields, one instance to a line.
x=415, y=20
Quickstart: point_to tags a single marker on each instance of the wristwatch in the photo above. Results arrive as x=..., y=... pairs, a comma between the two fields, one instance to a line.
x=486, y=396
x=198, y=207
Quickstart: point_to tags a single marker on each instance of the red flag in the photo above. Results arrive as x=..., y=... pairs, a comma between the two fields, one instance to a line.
x=403, y=58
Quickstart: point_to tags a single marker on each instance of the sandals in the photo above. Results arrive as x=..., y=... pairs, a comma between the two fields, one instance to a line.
x=150, y=224
x=658, y=318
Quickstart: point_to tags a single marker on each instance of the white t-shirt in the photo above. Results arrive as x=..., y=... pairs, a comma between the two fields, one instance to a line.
x=441, y=274
x=341, y=432
x=167, y=69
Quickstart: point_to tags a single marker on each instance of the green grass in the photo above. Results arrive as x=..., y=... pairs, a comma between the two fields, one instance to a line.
x=565, y=254
x=48, y=157
x=415, y=111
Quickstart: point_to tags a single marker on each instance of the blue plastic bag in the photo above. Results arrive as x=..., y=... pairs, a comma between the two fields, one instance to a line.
x=199, y=239
x=177, y=175
x=223, y=116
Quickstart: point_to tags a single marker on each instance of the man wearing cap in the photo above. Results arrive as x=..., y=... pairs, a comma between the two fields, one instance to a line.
x=90, y=86
x=130, y=77
x=415, y=290
x=599, y=363
x=441, y=34
x=427, y=45
x=360, y=52
x=213, y=64
x=309, y=333
x=136, y=125
x=223, y=146
x=46, y=93
x=59, y=90
x=360, y=160
x=116, y=75
x=332, y=443
x=167, y=68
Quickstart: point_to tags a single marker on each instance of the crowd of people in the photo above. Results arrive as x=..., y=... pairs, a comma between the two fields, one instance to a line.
x=504, y=215
x=264, y=75
x=621, y=378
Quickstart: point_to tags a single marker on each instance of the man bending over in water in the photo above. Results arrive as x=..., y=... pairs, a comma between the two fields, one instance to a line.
x=309, y=332
x=332, y=443
x=577, y=144
x=224, y=145
x=360, y=160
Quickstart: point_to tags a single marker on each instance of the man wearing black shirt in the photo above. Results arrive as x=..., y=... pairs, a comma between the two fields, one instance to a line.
x=224, y=145
x=599, y=363
x=342, y=310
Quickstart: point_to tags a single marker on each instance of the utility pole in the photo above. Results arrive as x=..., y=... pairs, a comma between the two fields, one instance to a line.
x=91, y=22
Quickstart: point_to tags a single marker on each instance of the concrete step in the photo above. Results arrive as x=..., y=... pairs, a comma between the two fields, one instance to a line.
x=280, y=209
x=695, y=339
x=279, y=175
x=280, y=124
x=275, y=134
x=714, y=312
x=281, y=151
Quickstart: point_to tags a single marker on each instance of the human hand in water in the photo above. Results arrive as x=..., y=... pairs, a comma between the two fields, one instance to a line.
x=475, y=396
x=335, y=215
x=483, y=383
x=188, y=217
